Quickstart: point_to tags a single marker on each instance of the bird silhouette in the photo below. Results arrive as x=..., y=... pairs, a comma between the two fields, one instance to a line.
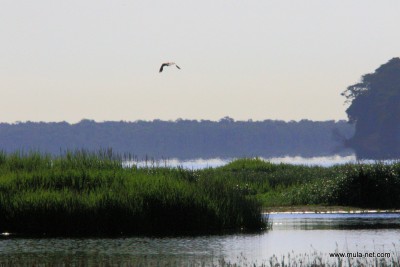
x=168, y=64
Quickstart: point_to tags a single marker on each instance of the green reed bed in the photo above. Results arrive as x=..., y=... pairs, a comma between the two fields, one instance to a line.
x=373, y=186
x=84, y=193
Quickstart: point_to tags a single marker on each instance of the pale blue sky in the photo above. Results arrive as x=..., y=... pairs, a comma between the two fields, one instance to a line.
x=98, y=59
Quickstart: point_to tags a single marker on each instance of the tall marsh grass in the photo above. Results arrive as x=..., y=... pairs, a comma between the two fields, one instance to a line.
x=83, y=193
x=375, y=185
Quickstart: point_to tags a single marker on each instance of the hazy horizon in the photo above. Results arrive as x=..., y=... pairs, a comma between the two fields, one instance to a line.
x=259, y=60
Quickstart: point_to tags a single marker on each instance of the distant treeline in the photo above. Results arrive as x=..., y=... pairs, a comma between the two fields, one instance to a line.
x=183, y=139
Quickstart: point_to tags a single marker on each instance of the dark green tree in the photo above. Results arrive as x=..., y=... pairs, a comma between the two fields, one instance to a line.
x=375, y=111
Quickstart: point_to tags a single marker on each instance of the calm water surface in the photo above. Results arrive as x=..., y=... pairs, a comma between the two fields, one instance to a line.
x=291, y=233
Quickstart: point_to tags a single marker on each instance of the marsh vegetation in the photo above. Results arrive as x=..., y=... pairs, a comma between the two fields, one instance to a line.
x=367, y=186
x=83, y=193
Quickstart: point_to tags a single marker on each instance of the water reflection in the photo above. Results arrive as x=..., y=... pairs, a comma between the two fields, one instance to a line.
x=304, y=221
x=291, y=233
x=105, y=251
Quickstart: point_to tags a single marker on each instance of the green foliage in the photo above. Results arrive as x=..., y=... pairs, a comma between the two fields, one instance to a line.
x=374, y=185
x=262, y=177
x=84, y=193
x=359, y=185
x=370, y=185
x=375, y=110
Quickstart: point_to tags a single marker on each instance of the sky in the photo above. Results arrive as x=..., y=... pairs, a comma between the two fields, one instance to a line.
x=254, y=59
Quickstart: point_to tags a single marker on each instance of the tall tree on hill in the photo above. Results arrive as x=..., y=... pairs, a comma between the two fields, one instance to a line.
x=375, y=110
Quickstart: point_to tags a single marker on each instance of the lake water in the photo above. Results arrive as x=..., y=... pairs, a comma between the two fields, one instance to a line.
x=297, y=234
x=196, y=164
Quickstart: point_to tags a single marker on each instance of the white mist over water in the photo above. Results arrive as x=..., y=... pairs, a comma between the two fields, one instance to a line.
x=197, y=164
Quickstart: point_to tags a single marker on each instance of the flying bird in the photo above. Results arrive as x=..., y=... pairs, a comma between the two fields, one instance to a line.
x=168, y=64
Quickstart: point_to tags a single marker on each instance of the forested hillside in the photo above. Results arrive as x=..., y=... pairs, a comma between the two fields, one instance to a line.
x=182, y=139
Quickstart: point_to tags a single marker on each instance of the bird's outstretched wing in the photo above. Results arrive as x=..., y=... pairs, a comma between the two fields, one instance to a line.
x=162, y=66
x=168, y=64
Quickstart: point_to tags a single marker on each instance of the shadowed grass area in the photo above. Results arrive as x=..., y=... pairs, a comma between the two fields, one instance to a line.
x=84, y=193
x=375, y=185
